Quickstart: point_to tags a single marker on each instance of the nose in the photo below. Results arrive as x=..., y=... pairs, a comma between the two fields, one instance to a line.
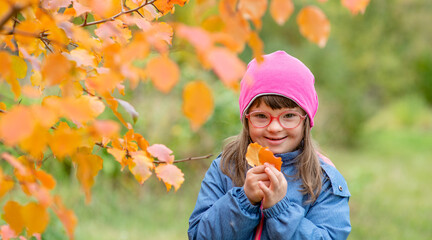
x=274, y=126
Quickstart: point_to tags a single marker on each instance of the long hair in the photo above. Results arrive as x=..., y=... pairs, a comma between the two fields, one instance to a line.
x=234, y=163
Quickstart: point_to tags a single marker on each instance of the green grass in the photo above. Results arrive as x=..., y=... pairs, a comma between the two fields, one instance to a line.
x=388, y=175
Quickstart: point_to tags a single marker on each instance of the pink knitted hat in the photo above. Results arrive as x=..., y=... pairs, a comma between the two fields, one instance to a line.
x=279, y=74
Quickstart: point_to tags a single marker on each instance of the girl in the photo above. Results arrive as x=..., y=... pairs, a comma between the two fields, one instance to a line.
x=308, y=199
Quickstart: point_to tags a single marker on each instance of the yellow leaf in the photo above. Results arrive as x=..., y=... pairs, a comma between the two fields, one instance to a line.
x=16, y=125
x=252, y=154
x=80, y=110
x=141, y=165
x=36, y=143
x=281, y=10
x=19, y=66
x=64, y=141
x=197, y=103
x=314, y=25
x=12, y=215
x=88, y=166
x=170, y=175
x=163, y=72
x=35, y=217
x=6, y=184
x=118, y=154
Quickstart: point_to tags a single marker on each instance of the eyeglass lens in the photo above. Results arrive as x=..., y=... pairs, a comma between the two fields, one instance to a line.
x=263, y=119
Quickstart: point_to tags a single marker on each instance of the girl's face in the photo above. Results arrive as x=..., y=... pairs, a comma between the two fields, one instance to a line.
x=274, y=136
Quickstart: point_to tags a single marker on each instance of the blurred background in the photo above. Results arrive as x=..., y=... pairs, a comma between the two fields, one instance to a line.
x=374, y=82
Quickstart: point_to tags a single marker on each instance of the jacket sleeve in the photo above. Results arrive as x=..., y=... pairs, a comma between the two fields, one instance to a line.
x=220, y=213
x=327, y=218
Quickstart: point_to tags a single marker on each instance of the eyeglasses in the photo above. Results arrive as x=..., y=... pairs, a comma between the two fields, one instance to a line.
x=287, y=120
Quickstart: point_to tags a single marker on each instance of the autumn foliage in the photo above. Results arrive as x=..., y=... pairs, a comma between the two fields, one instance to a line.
x=88, y=50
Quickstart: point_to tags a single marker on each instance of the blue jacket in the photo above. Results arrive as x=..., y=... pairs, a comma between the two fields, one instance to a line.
x=224, y=212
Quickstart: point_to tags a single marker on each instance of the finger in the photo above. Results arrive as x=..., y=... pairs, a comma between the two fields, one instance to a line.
x=257, y=169
x=266, y=190
x=277, y=173
x=272, y=176
x=267, y=183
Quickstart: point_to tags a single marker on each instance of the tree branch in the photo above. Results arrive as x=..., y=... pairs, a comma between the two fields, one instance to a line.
x=12, y=12
x=187, y=159
x=147, y=2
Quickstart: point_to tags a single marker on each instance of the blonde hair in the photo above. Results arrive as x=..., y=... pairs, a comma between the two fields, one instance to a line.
x=234, y=163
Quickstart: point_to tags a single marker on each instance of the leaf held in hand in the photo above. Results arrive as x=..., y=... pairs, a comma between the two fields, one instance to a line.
x=257, y=155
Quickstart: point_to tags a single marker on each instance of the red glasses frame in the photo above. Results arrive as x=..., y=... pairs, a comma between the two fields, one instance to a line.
x=277, y=118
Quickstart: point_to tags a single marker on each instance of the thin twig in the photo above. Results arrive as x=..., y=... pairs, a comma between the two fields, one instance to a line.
x=85, y=24
x=12, y=12
x=2, y=111
x=187, y=159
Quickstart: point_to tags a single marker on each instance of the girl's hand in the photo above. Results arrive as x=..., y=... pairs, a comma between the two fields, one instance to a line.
x=254, y=176
x=277, y=189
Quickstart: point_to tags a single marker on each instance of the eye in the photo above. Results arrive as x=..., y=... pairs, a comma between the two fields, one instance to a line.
x=260, y=115
x=289, y=115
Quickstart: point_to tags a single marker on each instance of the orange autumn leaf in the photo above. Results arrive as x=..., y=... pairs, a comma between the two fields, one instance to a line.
x=166, y=6
x=257, y=155
x=171, y=175
x=12, y=215
x=266, y=156
x=198, y=103
x=227, y=66
x=46, y=179
x=64, y=141
x=35, y=217
x=356, y=6
x=198, y=37
x=118, y=154
x=281, y=10
x=141, y=166
x=252, y=9
x=161, y=152
x=88, y=166
x=36, y=143
x=314, y=25
x=6, y=184
x=55, y=69
x=257, y=46
x=66, y=216
x=79, y=110
x=16, y=125
x=163, y=72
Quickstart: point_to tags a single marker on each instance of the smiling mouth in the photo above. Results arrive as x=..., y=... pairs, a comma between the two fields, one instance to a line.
x=275, y=139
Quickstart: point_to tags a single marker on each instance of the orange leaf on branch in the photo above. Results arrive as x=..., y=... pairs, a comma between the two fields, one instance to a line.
x=163, y=72
x=170, y=174
x=314, y=25
x=197, y=103
x=257, y=155
x=356, y=6
x=281, y=10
